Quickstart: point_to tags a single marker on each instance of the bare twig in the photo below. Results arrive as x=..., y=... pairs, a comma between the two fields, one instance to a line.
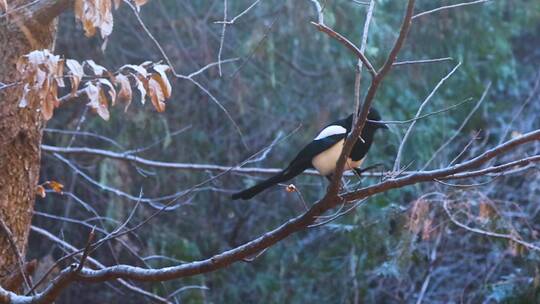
x=458, y=131
x=320, y=14
x=488, y=233
x=222, y=38
x=422, y=61
x=400, y=122
x=86, y=251
x=340, y=38
x=397, y=162
x=533, y=93
x=233, y=20
x=358, y=76
x=173, y=165
x=94, y=262
x=368, y=100
x=190, y=78
x=448, y=7
x=206, y=67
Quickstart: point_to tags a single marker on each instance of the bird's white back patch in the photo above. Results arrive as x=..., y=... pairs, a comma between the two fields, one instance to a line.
x=331, y=130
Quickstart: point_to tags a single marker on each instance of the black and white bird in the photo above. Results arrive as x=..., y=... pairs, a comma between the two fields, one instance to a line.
x=323, y=153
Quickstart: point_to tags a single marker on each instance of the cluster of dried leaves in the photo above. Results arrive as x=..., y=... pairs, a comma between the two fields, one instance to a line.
x=95, y=14
x=42, y=74
x=53, y=185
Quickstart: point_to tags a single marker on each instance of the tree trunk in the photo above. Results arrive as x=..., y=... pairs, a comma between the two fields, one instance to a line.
x=20, y=128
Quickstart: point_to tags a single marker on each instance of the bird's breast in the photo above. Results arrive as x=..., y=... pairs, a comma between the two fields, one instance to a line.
x=326, y=161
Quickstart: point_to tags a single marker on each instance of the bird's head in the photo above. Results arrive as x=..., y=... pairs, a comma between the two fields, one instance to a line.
x=373, y=120
x=374, y=117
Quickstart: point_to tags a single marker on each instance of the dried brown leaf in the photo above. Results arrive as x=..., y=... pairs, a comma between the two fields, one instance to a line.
x=41, y=73
x=290, y=188
x=156, y=94
x=97, y=69
x=103, y=109
x=40, y=191
x=95, y=14
x=418, y=216
x=76, y=74
x=163, y=80
x=106, y=17
x=98, y=100
x=140, y=82
x=124, y=94
x=486, y=210
x=55, y=186
x=110, y=89
x=141, y=71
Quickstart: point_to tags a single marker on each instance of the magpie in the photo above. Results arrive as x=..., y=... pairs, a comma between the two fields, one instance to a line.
x=323, y=153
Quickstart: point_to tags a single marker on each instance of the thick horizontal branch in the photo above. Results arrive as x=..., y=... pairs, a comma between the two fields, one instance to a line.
x=424, y=176
x=37, y=12
x=177, y=166
x=98, y=265
x=69, y=275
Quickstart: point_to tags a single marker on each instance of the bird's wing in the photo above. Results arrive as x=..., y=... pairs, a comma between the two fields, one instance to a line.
x=314, y=148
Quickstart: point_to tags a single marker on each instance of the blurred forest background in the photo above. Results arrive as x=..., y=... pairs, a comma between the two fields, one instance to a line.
x=400, y=247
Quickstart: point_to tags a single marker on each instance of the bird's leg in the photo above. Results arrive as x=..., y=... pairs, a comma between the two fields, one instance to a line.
x=359, y=171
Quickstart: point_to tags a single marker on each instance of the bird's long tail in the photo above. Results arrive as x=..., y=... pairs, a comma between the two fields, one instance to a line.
x=278, y=178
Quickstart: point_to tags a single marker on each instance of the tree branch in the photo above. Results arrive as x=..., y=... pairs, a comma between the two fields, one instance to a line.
x=40, y=12
x=368, y=100
x=69, y=275
x=348, y=44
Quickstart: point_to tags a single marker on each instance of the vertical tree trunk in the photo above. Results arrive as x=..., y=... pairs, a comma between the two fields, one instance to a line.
x=20, y=128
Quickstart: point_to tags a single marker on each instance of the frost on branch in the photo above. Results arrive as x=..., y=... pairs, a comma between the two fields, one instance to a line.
x=43, y=73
